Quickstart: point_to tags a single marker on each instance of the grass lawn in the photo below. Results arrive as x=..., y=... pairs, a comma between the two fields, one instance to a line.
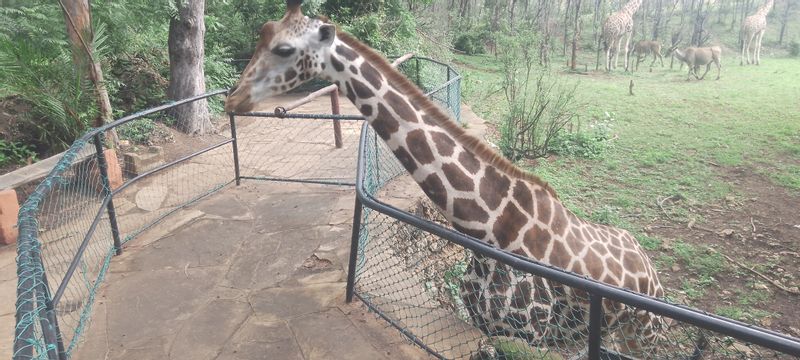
x=708, y=153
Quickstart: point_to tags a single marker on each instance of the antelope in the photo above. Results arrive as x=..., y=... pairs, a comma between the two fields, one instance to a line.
x=642, y=48
x=695, y=57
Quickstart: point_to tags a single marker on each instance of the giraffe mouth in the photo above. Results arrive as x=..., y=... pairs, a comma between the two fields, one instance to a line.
x=238, y=101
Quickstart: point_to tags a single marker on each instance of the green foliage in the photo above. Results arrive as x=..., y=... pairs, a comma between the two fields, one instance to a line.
x=794, y=48
x=386, y=25
x=649, y=243
x=472, y=41
x=590, y=142
x=138, y=131
x=47, y=81
x=452, y=280
x=705, y=263
x=14, y=153
x=539, y=104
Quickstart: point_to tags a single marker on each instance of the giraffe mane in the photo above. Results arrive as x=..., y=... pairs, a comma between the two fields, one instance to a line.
x=469, y=142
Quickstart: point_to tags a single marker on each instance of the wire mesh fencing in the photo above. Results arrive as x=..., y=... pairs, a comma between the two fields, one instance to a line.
x=463, y=299
x=437, y=80
x=96, y=199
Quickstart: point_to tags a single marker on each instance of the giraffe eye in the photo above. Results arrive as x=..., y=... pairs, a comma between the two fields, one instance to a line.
x=283, y=50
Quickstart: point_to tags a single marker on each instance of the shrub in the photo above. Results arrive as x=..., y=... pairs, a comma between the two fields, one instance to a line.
x=590, y=142
x=539, y=105
x=794, y=48
x=138, y=131
x=14, y=153
x=471, y=44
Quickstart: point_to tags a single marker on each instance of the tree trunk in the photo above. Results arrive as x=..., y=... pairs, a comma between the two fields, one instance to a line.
x=78, y=17
x=576, y=33
x=566, y=28
x=187, y=78
x=784, y=21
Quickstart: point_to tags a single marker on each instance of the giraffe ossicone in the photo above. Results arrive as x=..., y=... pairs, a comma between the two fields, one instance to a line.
x=479, y=192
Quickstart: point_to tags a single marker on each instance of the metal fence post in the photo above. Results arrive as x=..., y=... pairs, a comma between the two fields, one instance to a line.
x=337, y=127
x=449, y=104
x=235, y=143
x=351, y=267
x=419, y=82
x=595, y=325
x=112, y=214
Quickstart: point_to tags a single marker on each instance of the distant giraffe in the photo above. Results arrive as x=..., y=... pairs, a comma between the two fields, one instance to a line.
x=479, y=192
x=618, y=24
x=753, y=29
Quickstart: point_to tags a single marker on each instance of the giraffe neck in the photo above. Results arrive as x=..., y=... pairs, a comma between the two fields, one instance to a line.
x=765, y=9
x=632, y=6
x=481, y=193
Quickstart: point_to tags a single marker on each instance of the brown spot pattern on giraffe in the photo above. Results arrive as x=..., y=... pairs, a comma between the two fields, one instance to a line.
x=366, y=110
x=362, y=91
x=350, y=93
x=506, y=228
x=632, y=262
x=433, y=187
x=559, y=224
x=560, y=256
x=354, y=69
x=468, y=160
x=522, y=295
x=501, y=280
x=337, y=65
x=418, y=145
x=494, y=187
x=536, y=240
x=348, y=53
x=524, y=197
x=594, y=265
x=574, y=243
x=400, y=106
x=371, y=75
x=478, y=234
x=457, y=178
x=469, y=210
x=385, y=124
x=444, y=143
x=405, y=159
x=543, y=205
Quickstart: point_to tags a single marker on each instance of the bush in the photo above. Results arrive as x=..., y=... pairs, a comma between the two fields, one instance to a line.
x=14, y=153
x=591, y=142
x=794, y=48
x=471, y=44
x=539, y=105
x=138, y=131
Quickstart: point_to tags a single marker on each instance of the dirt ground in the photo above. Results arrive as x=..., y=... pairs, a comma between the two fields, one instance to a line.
x=759, y=232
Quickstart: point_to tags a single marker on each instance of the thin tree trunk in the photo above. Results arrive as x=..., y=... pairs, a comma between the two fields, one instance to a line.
x=785, y=21
x=566, y=27
x=576, y=33
x=187, y=78
x=78, y=17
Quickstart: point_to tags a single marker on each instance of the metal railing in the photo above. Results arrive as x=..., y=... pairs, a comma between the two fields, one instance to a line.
x=379, y=229
x=72, y=224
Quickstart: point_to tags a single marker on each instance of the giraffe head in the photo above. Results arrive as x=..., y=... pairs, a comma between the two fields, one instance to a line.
x=289, y=53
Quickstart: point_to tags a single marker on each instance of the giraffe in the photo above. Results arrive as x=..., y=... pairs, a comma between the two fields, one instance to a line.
x=481, y=193
x=618, y=24
x=753, y=29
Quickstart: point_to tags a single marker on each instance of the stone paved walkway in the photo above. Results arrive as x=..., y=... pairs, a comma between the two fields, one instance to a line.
x=253, y=272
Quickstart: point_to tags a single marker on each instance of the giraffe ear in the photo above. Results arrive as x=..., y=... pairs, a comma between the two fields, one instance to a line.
x=327, y=32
